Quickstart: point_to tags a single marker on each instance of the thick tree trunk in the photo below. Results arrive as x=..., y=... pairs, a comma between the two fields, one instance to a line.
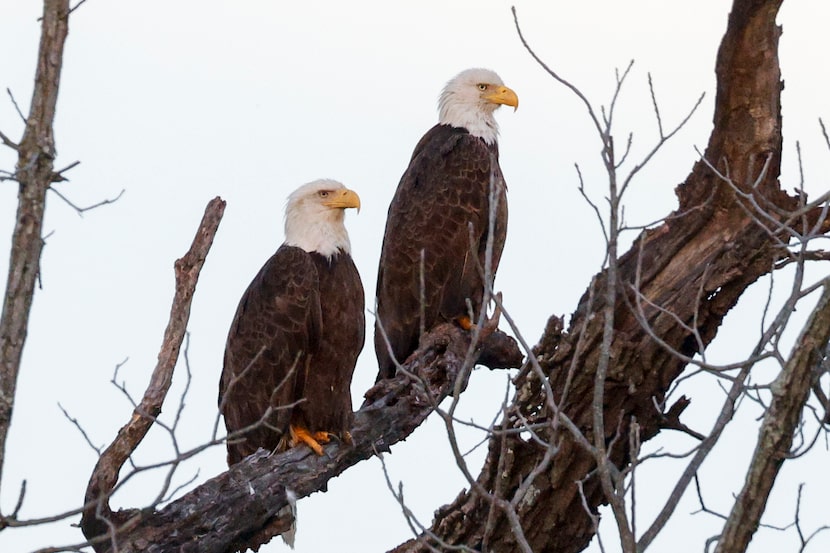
x=695, y=266
x=711, y=244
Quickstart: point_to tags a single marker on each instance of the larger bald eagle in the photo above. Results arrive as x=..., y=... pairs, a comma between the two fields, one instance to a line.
x=442, y=196
x=297, y=332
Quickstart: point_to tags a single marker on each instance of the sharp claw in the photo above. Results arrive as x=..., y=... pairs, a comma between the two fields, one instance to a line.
x=301, y=435
x=322, y=437
x=464, y=322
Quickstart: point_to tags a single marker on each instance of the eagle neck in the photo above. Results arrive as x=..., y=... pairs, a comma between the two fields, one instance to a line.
x=325, y=236
x=478, y=122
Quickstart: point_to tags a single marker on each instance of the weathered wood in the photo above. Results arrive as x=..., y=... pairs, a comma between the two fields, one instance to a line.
x=34, y=173
x=709, y=244
x=98, y=517
x=230, y=511
x=695, y=265
x=789, y=395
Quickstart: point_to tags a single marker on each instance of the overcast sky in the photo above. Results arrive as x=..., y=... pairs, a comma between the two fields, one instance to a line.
x=178, y=102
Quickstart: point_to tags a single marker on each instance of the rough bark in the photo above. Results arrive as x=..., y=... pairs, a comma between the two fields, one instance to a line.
x=97, y=515
x=710, y=244
x=789, y=395
x=34, y=173
x=238, y=509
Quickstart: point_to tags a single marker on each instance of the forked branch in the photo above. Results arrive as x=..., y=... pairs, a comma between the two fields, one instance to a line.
x=98, y=518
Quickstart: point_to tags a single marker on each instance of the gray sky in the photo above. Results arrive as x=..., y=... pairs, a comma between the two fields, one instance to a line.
x=178, y=102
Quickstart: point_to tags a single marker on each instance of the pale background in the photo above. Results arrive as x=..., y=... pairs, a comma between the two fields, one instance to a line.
x=178, y=102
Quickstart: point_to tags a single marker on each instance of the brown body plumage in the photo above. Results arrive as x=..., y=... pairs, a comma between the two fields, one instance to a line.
x=441, y=211
x=293, y=345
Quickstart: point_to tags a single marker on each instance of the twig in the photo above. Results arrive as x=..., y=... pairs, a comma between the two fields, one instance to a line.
x=555, y=75
x=789, y=393
x=703, y=508
x=9, y=142
x=415, y=526
x=57, y=176
x=180, y=487
x=797, y=523
x=80, y=428
x=96, y=520
x=76, y=6
x=82, y=210
x=824, y=132
x=591, y=515
x=660, y=143
x=20, y=499
x=17, y=107
x=655, y=105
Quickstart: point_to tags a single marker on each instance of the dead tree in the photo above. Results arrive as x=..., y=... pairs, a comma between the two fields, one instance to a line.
x=689, y=272
x=35, y=174
x=565, y=443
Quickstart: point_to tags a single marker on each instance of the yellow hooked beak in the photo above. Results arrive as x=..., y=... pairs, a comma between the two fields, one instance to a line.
x=343, y=199
x=503, y=95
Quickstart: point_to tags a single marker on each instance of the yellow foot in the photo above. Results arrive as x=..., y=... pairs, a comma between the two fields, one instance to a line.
x=464, y=322
x=302, y=435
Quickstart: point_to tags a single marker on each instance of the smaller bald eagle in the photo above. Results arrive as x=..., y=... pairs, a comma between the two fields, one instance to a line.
x=442, y=197
x=296, y=335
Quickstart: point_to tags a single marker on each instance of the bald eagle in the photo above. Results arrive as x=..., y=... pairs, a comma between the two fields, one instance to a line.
x=297, y=332
x=442, y=197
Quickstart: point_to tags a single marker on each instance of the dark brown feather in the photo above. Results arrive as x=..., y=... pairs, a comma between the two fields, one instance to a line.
x=444, y=191
x=328, y=380
x=292, y=345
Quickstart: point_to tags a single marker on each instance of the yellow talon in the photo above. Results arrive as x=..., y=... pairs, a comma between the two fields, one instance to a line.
x=302, y=435
x=464, y=322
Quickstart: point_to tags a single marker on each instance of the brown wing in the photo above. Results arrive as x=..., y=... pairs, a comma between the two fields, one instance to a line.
x=328, y=400
x=274, y=331
x=444, y=190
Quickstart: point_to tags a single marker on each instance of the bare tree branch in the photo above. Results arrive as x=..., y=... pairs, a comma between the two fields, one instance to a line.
x=14, y=102
x=587, y=398
x=714, y=248
x=255, y=490
x=82, y=210
x=97, y=513
x=789, y=394
x=36, y=153
x=80, y=428
x=9, y=142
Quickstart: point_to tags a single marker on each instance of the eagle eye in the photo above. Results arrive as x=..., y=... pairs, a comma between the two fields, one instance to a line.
x=482, y=86
x=324, y=193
